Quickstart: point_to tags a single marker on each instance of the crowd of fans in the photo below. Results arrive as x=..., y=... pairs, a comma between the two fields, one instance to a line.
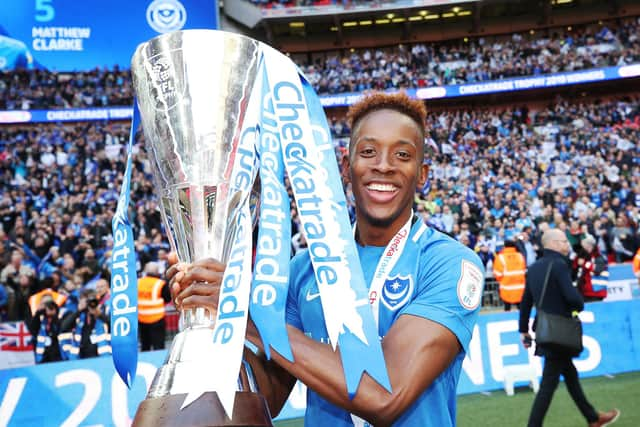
x=507, y=175
x=41, y=89
x=59, y=190
x=476, y=59
x=402, y=66
x=494, y=176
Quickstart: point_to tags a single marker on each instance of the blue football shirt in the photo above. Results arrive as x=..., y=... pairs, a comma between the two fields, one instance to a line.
x=436, y=278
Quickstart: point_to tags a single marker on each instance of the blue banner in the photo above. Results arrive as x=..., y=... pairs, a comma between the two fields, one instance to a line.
x=124, y=279
x=503, y=85
x=89, y=391
x=71, y=35
x=611, y=345
x=72, y=115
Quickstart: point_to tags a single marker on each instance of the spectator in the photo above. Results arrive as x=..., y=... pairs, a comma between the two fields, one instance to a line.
x=45, y=328
x=590, y=270
x=153, y=294
x=509, y=268
x=86, y=332
x=560, y=298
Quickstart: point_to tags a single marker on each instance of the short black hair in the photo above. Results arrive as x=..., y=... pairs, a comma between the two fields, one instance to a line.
x=400, y=102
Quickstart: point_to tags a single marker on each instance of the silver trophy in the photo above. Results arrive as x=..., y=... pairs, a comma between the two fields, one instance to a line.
x=192, y=89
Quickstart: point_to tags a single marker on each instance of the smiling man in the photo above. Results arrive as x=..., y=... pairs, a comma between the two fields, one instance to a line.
x=424, y=289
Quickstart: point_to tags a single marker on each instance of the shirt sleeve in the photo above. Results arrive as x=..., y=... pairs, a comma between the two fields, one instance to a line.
x=451, y=280
x=296, y=273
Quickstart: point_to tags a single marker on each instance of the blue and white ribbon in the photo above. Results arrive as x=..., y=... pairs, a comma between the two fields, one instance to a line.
x=124, y=280
x=310, y=161
x=273, y=249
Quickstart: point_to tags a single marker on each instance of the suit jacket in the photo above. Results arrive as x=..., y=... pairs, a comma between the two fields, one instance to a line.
x=561, y=297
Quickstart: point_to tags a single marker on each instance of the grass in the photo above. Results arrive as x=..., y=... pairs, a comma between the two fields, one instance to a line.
x=497, y=409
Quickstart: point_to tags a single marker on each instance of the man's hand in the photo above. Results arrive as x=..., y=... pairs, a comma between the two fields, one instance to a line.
x=196, y=284
x=526, y=340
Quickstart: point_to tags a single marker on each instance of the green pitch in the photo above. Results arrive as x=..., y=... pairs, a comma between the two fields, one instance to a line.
x=497, y=409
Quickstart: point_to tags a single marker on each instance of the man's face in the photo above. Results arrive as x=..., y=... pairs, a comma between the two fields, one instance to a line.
x=102, y=286
x=385, y=166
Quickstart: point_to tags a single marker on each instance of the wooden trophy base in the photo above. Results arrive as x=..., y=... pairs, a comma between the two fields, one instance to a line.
x=249, y=410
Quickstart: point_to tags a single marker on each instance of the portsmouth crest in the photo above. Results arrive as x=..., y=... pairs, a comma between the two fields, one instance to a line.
x=396, y=291
x=166, y=15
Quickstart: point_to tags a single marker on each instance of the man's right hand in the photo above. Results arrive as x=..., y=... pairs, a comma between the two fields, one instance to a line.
x=195, y=285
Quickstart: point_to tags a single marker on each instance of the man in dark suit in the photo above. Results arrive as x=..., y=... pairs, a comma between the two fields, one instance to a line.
x=560, y=298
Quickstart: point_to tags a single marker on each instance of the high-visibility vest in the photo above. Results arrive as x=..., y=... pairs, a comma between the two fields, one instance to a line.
x=34, y=300
x=509, y=269
x=43, y=341
x=636, y=264
x=70, y=341
x=150, y=302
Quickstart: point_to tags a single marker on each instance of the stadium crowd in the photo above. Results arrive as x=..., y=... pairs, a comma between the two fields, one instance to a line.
x=476, y=59
x=41, y=89
x=495, y=176
x=402, y=66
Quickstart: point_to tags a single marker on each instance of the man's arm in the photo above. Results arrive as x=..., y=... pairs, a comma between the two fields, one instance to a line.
x=274, y=383
x=525, y=309
x=569, y=293
x=416, y=350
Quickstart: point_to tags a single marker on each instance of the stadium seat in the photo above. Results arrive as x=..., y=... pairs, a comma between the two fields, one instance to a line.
x=523, y=372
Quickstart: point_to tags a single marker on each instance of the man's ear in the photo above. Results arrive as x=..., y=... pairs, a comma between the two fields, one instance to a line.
x=423, y=173
x=344, y=166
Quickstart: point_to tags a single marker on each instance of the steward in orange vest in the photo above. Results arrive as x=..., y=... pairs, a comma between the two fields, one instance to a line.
x=153, y=294
x=509, y=269
x=636, y=264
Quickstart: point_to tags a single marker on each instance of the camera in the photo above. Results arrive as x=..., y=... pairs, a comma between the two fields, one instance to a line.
x=526, y=340
x=93, y=302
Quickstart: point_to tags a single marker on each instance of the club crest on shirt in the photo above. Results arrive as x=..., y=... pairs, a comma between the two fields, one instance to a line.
x=469, y=285
x=396, y=291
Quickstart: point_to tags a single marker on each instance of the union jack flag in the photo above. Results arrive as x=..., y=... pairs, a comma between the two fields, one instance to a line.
x=14, y=336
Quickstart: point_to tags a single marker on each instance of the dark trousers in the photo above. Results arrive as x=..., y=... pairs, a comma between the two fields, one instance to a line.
x=553, y=368
x=152, y=335
x=507, y=306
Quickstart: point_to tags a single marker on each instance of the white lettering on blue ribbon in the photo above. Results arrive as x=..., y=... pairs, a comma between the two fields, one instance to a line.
x=273, y=250
x=124, y=280
x=309, y=159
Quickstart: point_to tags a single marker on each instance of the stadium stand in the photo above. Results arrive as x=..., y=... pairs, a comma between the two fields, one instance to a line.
x=474, y=60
